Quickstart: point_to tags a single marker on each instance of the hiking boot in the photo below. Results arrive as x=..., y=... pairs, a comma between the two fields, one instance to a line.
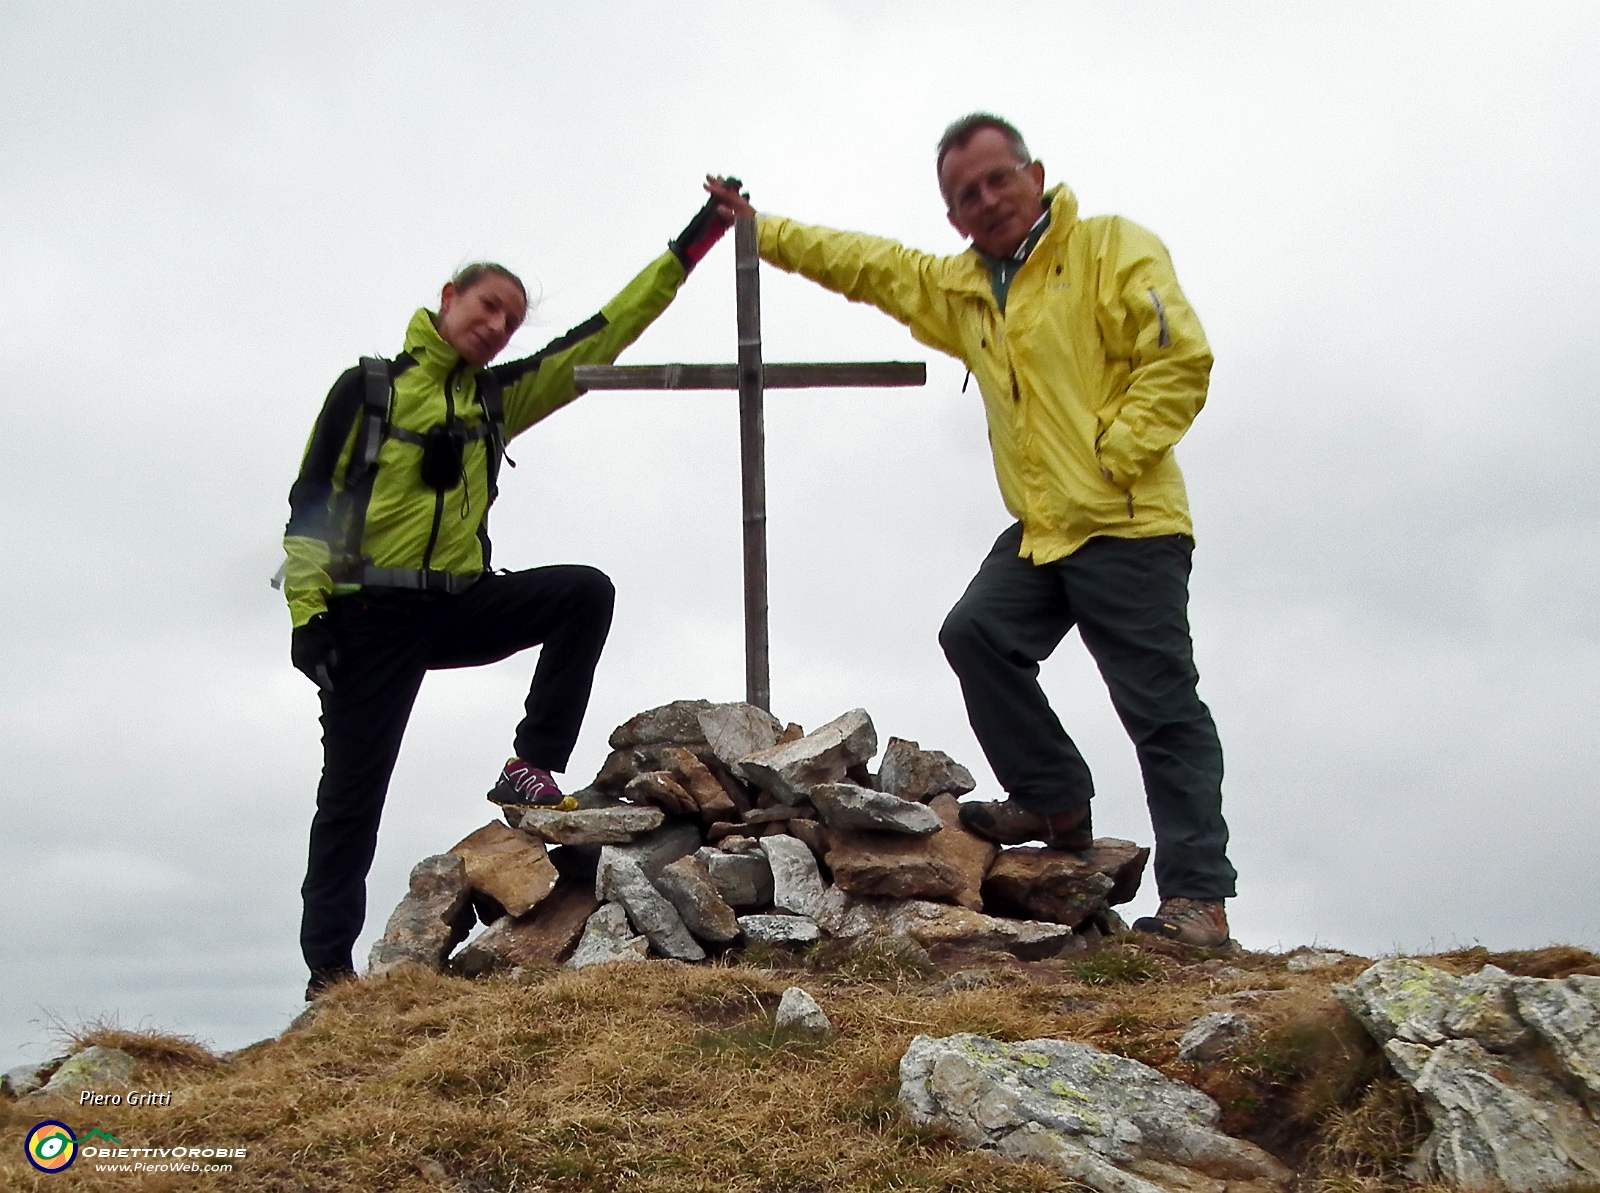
x=1200, y=922
x=323, y=980
x=523, y=785
x=1006, y=822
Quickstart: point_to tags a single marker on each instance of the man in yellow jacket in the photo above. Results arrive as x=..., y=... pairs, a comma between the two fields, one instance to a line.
x=1091, y=366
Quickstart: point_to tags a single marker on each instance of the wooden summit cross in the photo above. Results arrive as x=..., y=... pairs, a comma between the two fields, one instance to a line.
x=750, y=377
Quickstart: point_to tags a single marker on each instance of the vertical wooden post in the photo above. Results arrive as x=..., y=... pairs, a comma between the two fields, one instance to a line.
x=753, y=463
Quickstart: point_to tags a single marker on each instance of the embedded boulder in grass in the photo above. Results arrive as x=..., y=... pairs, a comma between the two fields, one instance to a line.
x=788, y=771
x=1102, y=1120
x=434, y=916
x=1507, y=1067
x=96, y=1067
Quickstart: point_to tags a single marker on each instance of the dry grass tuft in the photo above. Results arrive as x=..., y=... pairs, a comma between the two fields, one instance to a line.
x=1371, y=1141
x=150, y=1047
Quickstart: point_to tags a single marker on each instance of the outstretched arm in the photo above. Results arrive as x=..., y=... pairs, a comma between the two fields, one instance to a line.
x=900, y=282
x=538, y=385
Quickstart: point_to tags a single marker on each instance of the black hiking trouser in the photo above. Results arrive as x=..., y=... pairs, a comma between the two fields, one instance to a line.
x=1129, y=599
x=387, y=639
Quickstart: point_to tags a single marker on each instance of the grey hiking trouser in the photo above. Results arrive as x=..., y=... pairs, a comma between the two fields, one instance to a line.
x=1129, y=599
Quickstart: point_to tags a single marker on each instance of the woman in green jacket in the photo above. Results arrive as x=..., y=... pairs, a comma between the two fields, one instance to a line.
x=388, y=560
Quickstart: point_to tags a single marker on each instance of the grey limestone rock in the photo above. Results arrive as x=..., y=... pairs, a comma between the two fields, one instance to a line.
x=931, y=924
x=735, y=731
x=687, y=885
x=1312, y=959
x=1212, y=1037
x=93, y=1068
x=434, y=916
x=1496, y=1060
x=848, y=807
x=743, y=879
x=913, y=773
x=655, y=850
x=1107, y=1121
x=24, y=1079
x=796, y=881
x=1566, y=1014
x=593, y=826
x=675, y=724
x=798, y=1012
x=607, y=936
x=789, y=770
x=1401, y=997
x=779, y=929
x=620, y=878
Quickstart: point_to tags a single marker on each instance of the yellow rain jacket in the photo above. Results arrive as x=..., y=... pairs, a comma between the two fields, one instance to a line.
x=407, y=525
x=1096, y=368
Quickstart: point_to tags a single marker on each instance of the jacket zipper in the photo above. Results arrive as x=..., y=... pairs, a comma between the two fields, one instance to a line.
x=438, y=496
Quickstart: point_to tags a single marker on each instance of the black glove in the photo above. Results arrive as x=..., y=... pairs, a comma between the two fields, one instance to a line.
x=313, y=653
x=707, y=227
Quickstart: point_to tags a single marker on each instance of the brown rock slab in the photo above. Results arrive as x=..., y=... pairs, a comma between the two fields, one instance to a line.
x=947, y=867
x=812, y=833
x=510, y=867
x=434, y=916
x=911, y=772
x=1067, y=888
x=660, y=789
x=545, y=936
x=712, y=801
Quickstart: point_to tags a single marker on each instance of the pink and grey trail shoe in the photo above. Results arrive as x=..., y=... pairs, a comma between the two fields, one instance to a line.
x=1200, y=922
x=523, y=785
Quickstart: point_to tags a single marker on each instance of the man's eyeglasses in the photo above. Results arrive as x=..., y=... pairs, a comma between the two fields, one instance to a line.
x=994, y=182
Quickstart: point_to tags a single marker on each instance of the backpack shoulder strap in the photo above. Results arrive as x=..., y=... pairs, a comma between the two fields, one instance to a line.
x=492, y=401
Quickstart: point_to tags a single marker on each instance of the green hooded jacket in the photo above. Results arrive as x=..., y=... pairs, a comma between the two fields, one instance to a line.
x=409, y=525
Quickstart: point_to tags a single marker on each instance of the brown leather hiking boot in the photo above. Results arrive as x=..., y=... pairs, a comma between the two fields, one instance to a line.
x=1200, y=922
x=1006, y=822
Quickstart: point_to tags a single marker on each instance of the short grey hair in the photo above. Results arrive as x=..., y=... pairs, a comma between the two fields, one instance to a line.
x=963, y=130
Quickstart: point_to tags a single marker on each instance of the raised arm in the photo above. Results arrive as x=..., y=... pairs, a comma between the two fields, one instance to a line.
x=537, y=385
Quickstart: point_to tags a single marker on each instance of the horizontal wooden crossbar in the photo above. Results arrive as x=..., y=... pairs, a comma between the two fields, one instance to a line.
x=797, y=376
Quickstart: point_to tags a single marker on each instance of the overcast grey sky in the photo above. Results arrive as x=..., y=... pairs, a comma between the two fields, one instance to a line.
x=1384, y=214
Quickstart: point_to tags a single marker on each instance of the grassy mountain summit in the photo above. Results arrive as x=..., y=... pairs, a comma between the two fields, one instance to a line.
x=663, y=1077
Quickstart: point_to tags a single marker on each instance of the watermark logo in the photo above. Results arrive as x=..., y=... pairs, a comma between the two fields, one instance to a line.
x=52, y=1148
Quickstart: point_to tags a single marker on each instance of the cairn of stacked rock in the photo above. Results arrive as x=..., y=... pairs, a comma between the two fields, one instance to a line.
x=713, y=826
